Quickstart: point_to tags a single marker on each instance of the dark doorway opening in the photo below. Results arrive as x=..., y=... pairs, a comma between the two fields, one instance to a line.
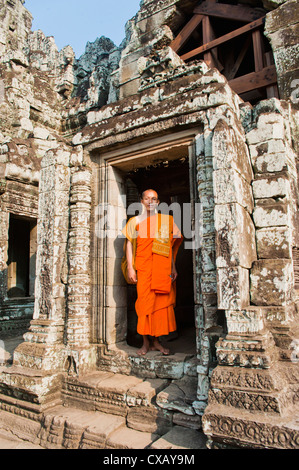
x=171, y=180
x=21, y=257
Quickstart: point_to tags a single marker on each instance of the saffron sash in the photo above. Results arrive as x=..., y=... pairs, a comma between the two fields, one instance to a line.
x=165, y=247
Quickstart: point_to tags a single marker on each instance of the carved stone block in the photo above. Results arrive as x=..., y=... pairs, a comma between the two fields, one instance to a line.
x=229, y=152
x=271, y=282
x=249, y=321
x=231, y=187
x=274, y=242
x=149, y=419
x=233, y=288
x=235, y=236
x=179, y=396
x=256, y=351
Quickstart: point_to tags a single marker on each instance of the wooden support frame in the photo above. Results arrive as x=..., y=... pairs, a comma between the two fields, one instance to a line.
x=265, y=77
x=208, y=35
x=229, y=12
x=232, y=72
x=258, y=50
x=226, y=37
x=250, y=59
x=186, y=32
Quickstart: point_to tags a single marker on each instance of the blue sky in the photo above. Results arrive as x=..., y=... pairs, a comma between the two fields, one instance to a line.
x=75, y=22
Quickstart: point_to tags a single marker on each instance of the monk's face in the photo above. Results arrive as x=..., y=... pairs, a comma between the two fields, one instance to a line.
x=150, y=200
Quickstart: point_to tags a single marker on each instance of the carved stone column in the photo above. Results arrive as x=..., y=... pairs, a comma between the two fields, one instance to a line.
x=38, y=362
x=47, y=326
x=78, y=353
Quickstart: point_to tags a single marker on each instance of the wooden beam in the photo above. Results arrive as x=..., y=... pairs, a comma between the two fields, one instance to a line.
x=227, y=37
x=229, y=62
x=258, y=50
x=232, y=72
x=207, y=36
x=186, y=32
x=229, y=12
x=272, y=91
x=254, y=80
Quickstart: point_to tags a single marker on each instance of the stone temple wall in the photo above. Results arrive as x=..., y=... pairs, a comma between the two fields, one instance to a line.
x=36, y=82
x=62, y=118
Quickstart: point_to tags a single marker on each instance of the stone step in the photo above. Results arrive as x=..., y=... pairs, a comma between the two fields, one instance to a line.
x=24, y=384
x=179, y=395
x=69, y=428
x=110, y=392
x=149, y=405
x=114, y=411
x=181, y=438
x=9, y=442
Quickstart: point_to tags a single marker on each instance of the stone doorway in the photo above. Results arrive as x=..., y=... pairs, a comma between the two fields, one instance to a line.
x=171, y=180
x=168, y=163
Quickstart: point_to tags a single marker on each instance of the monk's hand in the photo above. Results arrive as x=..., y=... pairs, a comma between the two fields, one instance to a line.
x=174, y=273
x=132, y=275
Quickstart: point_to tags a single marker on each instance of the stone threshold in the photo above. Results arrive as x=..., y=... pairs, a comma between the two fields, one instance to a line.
x=122, y=358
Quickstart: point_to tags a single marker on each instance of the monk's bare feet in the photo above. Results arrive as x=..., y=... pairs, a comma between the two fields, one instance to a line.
x=157, y=346
x=145, y=347
x=142, y=351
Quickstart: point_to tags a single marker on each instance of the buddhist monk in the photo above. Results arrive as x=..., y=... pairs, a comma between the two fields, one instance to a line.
x=152, y=242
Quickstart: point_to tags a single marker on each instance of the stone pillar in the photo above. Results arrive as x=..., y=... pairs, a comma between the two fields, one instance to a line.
x=36, y=374
x=44, y=341
x=110, y=293
x=205, y=268
x=224, y=175
x=234, y=228
x=250, y=390
x=79, y=268
x=281, y=28
x=275, y=190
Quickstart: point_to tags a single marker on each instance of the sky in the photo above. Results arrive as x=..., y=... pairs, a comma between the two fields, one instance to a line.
x=76, y=22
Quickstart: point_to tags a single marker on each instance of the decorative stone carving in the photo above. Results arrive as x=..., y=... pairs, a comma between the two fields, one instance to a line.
x=275, y=272
x=245, y=432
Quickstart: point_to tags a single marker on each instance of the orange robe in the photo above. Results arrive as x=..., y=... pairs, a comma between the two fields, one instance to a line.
x=156, y=293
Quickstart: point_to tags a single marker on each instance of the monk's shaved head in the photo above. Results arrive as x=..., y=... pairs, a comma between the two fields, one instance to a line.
x=143, y=195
